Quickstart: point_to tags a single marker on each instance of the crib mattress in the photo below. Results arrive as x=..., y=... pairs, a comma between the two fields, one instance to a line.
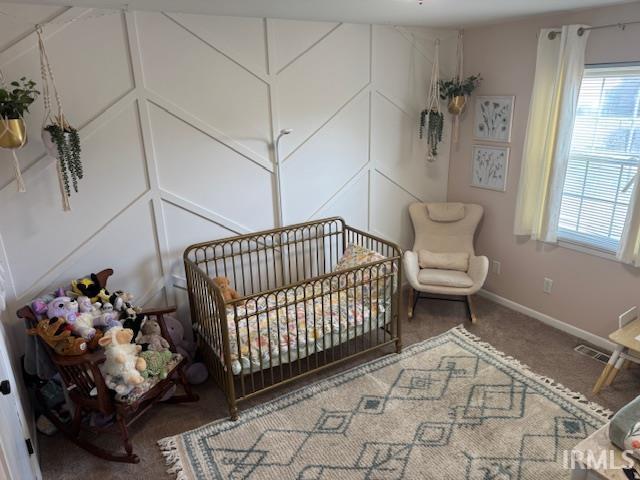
x=306, y=326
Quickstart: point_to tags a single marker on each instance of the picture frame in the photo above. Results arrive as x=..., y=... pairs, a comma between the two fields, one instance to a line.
x=489, y=167
x=493, y=117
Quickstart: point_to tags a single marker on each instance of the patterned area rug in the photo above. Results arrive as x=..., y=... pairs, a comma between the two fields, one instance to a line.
x=451, y=407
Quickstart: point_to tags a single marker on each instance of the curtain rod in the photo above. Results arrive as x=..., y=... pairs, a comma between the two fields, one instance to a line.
x=581, y=30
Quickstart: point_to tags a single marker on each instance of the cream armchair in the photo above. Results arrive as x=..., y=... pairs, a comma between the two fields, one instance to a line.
x=445, y=228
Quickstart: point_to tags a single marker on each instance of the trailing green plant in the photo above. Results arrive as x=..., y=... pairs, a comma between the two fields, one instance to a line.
x=433, y=121
x=456, y=87
x=16, y=98
x=67, y=142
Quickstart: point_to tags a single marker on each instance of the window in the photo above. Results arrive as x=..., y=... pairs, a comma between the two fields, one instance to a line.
x=604, y=158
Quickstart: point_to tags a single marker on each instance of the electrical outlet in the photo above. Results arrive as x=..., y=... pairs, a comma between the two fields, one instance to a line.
x=548, y=283
x=496, y=267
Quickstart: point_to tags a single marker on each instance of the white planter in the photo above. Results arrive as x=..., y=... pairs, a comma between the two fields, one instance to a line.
x=49, y=145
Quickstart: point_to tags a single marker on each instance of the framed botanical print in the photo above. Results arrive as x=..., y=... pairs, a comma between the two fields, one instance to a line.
x=489, y=167
x=492, y=118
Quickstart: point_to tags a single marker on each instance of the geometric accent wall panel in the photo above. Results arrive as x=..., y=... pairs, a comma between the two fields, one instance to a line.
x=316, y=85
x=134, y=258
x=10, y=31
x=115, y=176
x=241, y=38
x=396, y=149
x=187, y=72
x=87, y=90
x=389, y=214
x=293, y=37
x=401, y=71
x=207, y=173
x=185, y=228
x=328, y=160
x=352, y=204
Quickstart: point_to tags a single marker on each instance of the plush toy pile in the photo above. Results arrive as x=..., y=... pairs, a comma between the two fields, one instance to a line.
x=87, y=317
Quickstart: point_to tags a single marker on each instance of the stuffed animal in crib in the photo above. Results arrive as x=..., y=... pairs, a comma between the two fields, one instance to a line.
x=58, y=338
x=151, y=337
x=122, y=367
x=157, y=362
x=90, y=287
x=228, y=294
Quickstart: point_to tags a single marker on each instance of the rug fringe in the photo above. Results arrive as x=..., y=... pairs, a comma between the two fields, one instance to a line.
x=560, y=389
x=169, y=449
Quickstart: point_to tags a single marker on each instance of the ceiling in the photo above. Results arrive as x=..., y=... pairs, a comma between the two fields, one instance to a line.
x=434, y=13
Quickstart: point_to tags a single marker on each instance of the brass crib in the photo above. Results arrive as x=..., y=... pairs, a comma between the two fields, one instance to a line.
x=282, y=275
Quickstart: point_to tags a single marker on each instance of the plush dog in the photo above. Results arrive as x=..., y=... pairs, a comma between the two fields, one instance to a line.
x=228, y=294
x=57, y=337
x=151, y=337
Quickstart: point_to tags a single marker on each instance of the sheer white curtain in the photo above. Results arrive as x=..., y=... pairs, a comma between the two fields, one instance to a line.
x=629, y=251
x=559, y=70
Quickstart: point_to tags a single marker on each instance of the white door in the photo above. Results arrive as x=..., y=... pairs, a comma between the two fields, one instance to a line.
x=17, y=460
x=17, y=463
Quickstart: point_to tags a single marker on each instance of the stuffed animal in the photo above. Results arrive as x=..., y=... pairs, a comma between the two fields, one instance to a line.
x=90, y=287
x=120, y=300
x=67, y=308
x=57, y=337
x=151, y=337
x=228, y=294
x=196, y=371
x=102, y=316
x=122, y=367
x=157, y=362
x=132, y=319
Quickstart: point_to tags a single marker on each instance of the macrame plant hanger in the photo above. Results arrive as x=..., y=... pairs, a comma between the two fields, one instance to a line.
x=48, y=85
x=20, y=140
x=459, y=74
x=433, y=102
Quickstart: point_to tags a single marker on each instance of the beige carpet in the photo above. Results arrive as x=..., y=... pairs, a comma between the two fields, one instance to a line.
x=447, y=407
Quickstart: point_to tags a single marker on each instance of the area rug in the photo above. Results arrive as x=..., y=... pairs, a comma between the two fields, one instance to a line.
x=451, y=407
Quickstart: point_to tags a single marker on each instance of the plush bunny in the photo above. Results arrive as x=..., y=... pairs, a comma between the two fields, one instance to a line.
x=122, y=366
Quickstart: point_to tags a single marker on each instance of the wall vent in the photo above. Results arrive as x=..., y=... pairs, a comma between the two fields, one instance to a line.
x=591, y=352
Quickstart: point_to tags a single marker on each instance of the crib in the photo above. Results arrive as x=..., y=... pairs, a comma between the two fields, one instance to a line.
x=303, y=307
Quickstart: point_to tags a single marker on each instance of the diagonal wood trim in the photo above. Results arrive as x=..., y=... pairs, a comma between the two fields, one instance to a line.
x=263, y=78
x=212, y=132
x=356, y=176
x=382, y=174
x=324, y=124
x=307, y=50
x=205, y=213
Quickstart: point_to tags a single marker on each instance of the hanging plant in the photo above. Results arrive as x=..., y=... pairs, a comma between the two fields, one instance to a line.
x=457, y=91
x=63, y=142
x=15, y=99
x=431, y=118
x=60, y=139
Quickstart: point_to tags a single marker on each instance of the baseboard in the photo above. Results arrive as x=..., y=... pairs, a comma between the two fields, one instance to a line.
x=599, y=342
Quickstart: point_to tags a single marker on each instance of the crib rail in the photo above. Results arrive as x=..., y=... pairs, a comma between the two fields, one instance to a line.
x=252, y=345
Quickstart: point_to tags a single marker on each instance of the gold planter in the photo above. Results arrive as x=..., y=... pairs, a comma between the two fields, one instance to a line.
x=13, y=133
x=457, y=104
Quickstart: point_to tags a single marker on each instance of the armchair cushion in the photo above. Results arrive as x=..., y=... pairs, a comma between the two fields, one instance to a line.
x=444, y=261
x=446, y=212
x=444, y=278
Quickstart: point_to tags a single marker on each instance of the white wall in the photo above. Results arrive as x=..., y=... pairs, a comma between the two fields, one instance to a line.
x=177, y=115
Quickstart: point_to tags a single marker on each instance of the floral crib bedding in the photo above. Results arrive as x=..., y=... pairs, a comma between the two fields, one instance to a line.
x=303, y=327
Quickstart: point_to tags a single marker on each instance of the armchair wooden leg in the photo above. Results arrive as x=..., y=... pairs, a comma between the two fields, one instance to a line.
x=410, y=303
x=472, y=313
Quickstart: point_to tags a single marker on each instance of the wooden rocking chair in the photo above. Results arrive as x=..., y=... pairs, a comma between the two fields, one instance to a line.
x=88, y=391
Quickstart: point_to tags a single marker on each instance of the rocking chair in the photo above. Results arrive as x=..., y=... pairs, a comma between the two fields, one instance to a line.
x=87, y=390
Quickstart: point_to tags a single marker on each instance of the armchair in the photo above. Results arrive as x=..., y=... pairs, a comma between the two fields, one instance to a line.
x=439, y=234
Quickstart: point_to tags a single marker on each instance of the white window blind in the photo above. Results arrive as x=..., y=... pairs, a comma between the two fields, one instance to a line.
x=604, y=158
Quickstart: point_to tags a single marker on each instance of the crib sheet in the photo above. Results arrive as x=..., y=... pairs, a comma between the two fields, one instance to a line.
x=306, y=326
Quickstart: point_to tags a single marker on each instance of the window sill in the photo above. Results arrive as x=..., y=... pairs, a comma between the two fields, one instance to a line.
x=584, y=248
